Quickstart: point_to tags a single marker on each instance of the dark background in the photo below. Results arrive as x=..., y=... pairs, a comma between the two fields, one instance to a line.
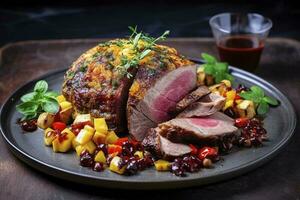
x=38, y=19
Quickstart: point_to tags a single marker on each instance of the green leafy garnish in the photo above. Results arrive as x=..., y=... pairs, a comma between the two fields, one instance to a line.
x=139, y=53
x=219, y=70
x=257, y=95
x=39, y=100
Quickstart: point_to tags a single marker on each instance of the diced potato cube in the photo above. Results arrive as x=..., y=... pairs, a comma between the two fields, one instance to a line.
x=74, y=143
x=84, y=136
x=60, y=98
x=100, y=157
x=139, y=154
x=228, y=103
x=83, y=118
x=49, y=136
x=111, y=138
x=45, y=120
x=63, y=142
x=251, y=110
x=99, y=138
x=65, y=115
x=227, y=83
x=230, y=95
x=100, y=125
x=90, y=147
x=114, y=165
x=89, y=128
x=200, y=76
x=162, y=165
x=65, y=105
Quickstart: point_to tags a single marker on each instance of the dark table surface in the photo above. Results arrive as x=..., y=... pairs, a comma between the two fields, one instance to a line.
x=278, y=179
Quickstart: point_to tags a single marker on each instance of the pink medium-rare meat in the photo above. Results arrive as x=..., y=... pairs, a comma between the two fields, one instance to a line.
x=162, y=147
x=199, y=129
x=162, y=98
x=206, y=106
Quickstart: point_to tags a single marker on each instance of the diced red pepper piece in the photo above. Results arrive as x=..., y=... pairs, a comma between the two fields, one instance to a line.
x=81, y=125
x=241, y=122
x=194, y=149
x=59, y=126
x=207, y=152
x=112, y=148
x=121, y=140
x=237, y=97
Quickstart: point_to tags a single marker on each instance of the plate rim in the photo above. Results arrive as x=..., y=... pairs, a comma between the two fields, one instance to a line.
x=155, y=184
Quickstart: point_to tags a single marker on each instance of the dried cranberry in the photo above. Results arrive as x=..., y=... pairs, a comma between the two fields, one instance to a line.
x=128, y=148
x=86, y=159
x=98, y=167
x=132, y=167
x=241, y=88
x=29, y=125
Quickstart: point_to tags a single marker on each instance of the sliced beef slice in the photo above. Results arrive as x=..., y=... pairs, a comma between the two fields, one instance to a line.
x=162, y=147
x=206, y=106
x=195, y=130
x=162, y=98
x=191, y=98
x=159, y=100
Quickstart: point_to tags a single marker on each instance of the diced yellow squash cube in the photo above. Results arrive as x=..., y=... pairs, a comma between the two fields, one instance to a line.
x=49, y=136
x=90, y=147
x=111, y=138
x=89, y=128
x=114, y=165
x=139, y=154
x=244, y=104
x=100, y=157
x=74, y=143
x=69, y=132
x=251, y=110
x=83, y=118
x=226, y=82
x=99, y=138
x=84, y=136
x=60, y=98
x=63, y=142
x=162, y=165
x=65, y=105
x=228, y=103
x=100, y=125
x=230, y=95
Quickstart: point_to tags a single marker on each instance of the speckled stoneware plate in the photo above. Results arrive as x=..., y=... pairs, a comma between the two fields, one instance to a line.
x=280, y=123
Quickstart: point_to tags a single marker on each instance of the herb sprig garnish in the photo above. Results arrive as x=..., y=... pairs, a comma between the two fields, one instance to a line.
x=139, y=53
x=219, y=70
x=257, y=95
x=39, y=100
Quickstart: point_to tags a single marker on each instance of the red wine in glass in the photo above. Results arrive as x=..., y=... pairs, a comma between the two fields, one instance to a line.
x=242, y=51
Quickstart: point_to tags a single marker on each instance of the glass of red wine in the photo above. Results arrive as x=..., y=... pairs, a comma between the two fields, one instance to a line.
x=240, y=38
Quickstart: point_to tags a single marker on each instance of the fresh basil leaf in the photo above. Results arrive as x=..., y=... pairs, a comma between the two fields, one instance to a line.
x=229, y=77
x=29, y=116
x=263, y=108
x=41, y=86
x=208, y=69
x=247, y=95
x=51, y=94
x=270, y=100
x=28, y=97
x=208, y=58
x=50, y=105
x=27, y=107
x=257, y=91
x=222, y=67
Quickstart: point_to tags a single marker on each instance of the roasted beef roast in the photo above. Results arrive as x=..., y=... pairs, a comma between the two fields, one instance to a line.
x=96, y=83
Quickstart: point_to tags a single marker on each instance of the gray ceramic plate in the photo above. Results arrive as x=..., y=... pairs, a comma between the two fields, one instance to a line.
x=29, y=147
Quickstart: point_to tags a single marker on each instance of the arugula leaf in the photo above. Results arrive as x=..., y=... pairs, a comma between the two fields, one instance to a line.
x=33, y=103
x=219, y=70
x=41, y=86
